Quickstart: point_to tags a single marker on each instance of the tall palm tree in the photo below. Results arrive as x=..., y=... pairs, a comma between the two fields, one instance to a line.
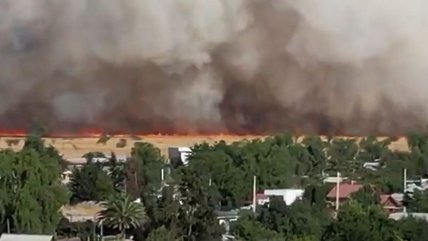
x=121, y=213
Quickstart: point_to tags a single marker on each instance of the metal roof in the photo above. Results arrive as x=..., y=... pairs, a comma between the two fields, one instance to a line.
x=25, y=237
x=402, y=215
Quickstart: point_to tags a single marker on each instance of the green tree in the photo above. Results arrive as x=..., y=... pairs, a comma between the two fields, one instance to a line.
x=418, y=202
x=161, y=234
x=417, y=140
x=196, y=218
x=315, y=195
x=356, y=222
x=249, y=229
x=116, y=172
x=217, y=168
x=366, y=196
x=121, y=213
x=90, y=183
x=143, y=170
x=412, y=229
x=30, y=190
x=35, y=142
x=342, y=157
x=298, y=220
x=304, y=238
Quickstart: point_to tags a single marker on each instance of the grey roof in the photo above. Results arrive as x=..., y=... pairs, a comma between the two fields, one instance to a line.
x=25, y=237
x=402, y=215
x=231, y=213
x=399, y=197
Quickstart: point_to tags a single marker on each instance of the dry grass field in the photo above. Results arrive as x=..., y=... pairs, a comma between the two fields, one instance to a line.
x=121, y=145
x=76, y=147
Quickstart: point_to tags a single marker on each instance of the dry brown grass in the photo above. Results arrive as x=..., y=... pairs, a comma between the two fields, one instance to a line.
x=76, y=147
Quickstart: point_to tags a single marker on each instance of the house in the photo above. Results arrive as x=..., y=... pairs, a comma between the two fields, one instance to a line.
x=25, y=237
x=178, y=155
x=345, y=191
x=289, y=195
x=390, y=204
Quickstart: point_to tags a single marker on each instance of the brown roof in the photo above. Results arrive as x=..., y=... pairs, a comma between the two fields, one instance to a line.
x=345, y=190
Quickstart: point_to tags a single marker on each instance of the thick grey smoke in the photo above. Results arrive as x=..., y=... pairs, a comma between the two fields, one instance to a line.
x=331, y=66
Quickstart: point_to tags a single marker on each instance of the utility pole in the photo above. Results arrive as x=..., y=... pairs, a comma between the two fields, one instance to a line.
x=102, y=230
x=337, y=191
x=404, y=187
x=404, y=180
x=162, y=175
x=254, y=193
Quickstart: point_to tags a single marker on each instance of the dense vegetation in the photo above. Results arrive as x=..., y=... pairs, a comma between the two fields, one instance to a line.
x=183, y=206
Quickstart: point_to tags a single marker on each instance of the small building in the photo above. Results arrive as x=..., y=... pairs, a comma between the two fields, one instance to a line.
x=179, y=155
x=289, y=195
x=66, y=176
x=389, y=204
x=25, y=237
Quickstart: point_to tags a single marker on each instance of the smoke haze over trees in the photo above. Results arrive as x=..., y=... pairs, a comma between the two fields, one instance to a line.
x=241, y=66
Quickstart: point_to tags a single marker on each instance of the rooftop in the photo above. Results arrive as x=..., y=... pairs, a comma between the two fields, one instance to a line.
x=345, y=190
x=25, y=237
x=402, y=215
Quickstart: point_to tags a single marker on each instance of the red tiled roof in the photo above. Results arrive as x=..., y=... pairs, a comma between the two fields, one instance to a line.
x=384, y=198
x=345, y=190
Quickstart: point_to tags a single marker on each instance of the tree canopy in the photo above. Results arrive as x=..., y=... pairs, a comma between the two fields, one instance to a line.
x=217, y=178
x=30, y=190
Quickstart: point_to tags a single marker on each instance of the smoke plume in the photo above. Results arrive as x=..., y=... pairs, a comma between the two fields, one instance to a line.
x=210, y=66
